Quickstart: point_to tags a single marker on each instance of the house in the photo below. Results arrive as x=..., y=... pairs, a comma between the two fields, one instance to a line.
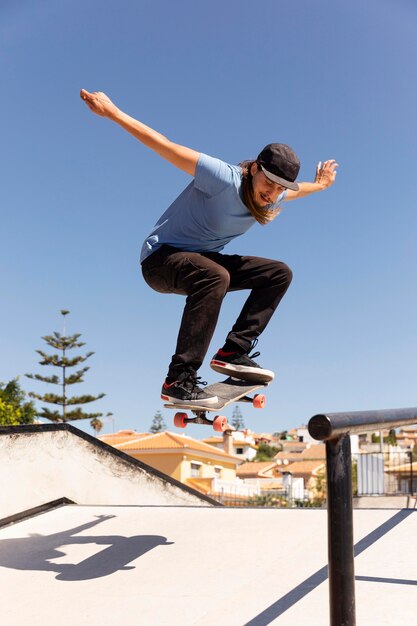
x=242, y=441
x=192, y=462
x=405, y=476
x=407, y=437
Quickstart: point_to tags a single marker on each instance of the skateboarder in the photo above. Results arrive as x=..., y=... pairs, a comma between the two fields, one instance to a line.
x=183, y=255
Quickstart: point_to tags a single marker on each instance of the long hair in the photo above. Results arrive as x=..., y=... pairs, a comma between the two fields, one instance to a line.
x=262, y=216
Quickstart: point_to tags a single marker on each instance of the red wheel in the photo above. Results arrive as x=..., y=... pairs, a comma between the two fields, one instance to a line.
x=259, y=401
x=220, y=423
x=180, y=420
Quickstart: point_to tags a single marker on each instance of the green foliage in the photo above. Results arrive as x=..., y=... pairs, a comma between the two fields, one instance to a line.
x=268, y=499
x=391, y=439
x=96, y=424
x=63, y=343
x=282, y=435
x=265, y=452
x=158, y=425
x=13, y=408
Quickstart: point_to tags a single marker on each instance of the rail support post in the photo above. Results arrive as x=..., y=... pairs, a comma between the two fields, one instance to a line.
x=340, y=532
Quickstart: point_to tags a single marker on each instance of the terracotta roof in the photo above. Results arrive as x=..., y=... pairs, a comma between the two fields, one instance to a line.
x=255, y=469
x=291, y=457
x=212, y=440
x=303, y=467
x=171, y=441
x=315, y=451
x=296, y=445
x=121, y=436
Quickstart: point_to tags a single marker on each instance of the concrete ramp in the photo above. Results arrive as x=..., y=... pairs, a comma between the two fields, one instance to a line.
x=200, y=566
x=44, y=463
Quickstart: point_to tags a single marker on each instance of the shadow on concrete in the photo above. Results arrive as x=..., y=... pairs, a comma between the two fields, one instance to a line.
x=390, y=581
x=298, y=593
x=37, y=551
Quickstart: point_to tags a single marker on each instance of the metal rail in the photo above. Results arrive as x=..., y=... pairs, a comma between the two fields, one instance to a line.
x=335, y=429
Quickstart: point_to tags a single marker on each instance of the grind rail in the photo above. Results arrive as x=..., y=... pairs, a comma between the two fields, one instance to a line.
x=335, y=430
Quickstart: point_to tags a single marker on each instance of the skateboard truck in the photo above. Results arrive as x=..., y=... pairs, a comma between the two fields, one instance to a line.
x=219, y=422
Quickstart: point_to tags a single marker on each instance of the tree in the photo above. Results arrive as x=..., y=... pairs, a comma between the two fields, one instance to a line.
x=237, y=419
x=391, y=439
x=13, y=408
x=96, y=424
x=64, y=343
x=281, y=435
x=158, y=425
x=265, y=452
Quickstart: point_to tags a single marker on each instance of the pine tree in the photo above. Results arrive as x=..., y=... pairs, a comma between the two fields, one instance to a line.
x=158, y=425
x=237, y=419
x=64, y=343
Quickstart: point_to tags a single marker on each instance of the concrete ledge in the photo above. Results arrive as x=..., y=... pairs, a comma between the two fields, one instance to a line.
x=37, y=510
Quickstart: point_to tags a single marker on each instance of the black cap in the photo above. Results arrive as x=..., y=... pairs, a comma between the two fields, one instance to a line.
x=280, y=164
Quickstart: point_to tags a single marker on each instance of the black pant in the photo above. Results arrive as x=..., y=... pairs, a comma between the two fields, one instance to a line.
x=205, y=278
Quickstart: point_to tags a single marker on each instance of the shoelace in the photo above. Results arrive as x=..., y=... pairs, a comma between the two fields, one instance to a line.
x=195, y=381
x=254, y=355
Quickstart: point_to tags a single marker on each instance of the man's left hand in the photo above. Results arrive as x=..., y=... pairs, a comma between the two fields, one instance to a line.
x=326, y=173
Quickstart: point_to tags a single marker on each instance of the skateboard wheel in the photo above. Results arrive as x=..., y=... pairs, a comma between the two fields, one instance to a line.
x=220, y=423
x=259, y=401
x=180, y=420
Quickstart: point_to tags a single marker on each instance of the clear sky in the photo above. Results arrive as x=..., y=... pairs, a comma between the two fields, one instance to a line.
x=78, y=195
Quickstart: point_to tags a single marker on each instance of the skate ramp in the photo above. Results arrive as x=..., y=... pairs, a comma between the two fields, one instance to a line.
x=199, y=566
x=57, y=462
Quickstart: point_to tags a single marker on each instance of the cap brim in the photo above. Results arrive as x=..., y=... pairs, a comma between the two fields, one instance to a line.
x=280, y=181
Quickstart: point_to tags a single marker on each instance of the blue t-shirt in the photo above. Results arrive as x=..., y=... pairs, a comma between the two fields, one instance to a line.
x=207, y=214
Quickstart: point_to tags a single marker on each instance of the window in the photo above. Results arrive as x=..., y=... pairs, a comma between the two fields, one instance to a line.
x=239, y=450
x=217, y=471
x=195, y=470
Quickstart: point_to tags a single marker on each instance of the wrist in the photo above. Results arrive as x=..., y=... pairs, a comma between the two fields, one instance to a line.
x=115, y=114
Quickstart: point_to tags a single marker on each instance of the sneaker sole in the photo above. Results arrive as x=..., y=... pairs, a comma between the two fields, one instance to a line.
x=242, y=372
x=204, y=402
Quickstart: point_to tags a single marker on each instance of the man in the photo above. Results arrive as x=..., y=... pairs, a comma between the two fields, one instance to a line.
x=182, y=254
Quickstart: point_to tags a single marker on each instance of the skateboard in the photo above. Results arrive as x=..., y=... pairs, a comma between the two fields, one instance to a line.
x=227, y=391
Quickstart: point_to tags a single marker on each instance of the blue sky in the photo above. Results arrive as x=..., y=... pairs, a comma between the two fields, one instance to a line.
x=78, y=195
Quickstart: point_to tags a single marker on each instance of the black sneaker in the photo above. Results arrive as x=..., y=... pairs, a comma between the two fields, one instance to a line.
x=241, y=366
x=185, y=390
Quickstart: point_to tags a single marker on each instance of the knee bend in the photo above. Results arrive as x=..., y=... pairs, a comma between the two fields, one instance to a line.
x=283, y=273
x=220, y=281
x=288, y=274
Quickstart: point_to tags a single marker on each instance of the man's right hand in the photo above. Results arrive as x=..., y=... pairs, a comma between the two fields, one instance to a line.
x=99, y=103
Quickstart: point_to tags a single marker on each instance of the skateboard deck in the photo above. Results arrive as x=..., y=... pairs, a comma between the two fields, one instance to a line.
x=227, y=391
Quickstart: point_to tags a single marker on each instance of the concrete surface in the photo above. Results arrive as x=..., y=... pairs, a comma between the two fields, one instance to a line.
x=200, y=566
x=40, y=464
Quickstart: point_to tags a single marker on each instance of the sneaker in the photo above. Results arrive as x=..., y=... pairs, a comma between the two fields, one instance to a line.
x=185, y=390
x=241, y=366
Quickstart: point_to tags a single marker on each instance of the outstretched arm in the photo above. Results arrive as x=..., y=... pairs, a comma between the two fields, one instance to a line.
x=325, y=177
x=182, y=157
